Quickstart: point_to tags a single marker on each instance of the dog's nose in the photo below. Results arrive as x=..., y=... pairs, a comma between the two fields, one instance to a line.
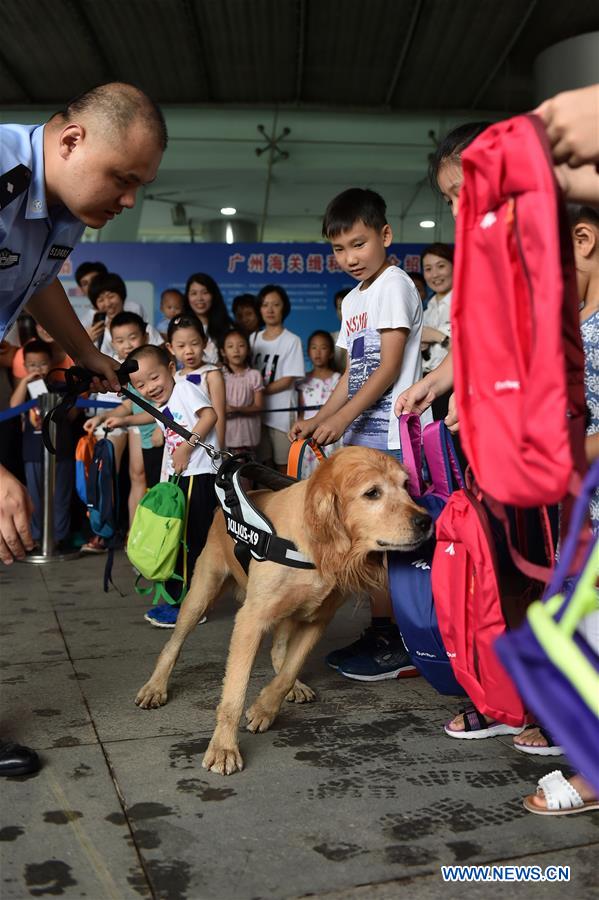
x=422, y=523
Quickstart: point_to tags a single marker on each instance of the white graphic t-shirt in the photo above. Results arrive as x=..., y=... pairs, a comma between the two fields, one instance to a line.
x=437, y=315
x=391, y=301
x=276, y=359
x=183, y=406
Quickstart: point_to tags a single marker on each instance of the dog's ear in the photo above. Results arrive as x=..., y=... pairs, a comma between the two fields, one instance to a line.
x=322, y=520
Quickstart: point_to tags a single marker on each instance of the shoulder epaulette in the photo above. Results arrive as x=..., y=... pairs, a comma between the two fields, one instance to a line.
x=13, y=183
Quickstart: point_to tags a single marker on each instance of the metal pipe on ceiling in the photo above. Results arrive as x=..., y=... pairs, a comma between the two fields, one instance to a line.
x=504, y=55
x=403, y=53
x=301, y=46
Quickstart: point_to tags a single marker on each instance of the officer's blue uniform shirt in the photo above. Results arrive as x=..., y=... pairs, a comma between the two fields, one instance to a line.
x=34, y=241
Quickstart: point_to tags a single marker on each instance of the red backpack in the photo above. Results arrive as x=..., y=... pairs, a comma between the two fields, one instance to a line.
x=468, y=605
x=518, y=358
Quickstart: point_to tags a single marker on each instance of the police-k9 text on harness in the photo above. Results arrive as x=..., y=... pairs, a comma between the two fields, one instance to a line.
x=253, y=532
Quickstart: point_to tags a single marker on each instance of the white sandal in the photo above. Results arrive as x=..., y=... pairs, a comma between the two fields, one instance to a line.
x=561, y=797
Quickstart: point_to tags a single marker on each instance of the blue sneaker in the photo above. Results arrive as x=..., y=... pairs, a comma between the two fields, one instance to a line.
x=366, y=643
x=387, y=659
x=164, y=615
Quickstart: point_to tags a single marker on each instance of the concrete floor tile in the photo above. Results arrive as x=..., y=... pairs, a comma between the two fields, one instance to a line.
x=361, y=791
x=63, y=832
x=582, y=862
x=196, y=684
x=110, y=691
x=358, y=805
x=30, y=633
x=42, y=706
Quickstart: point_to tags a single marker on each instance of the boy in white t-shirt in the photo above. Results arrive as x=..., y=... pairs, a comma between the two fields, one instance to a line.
x=381, y=331
x=189, y=406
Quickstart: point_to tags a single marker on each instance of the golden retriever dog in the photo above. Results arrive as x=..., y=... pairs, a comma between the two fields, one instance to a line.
x=344, y=518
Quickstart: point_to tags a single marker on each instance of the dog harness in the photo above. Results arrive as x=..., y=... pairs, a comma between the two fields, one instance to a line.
x=252, y=531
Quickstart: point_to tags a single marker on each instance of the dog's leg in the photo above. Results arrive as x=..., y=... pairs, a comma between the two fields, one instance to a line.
x=263, y=712
x=209, y=575
x=222, y=755
x=299, y=693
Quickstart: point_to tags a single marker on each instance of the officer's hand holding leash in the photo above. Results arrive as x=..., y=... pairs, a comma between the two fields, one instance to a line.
x=78, y=381
x=103, y=368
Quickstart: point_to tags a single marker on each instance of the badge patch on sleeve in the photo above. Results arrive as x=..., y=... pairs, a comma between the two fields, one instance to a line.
x=8, y=259
x=59, y=251
x=13, y=184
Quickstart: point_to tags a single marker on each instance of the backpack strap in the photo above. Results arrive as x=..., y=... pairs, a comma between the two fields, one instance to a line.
x=576, y=533
x=532, y=570
x=297, y=451
x=441, y=459
x=410, y=436
x=185, y=524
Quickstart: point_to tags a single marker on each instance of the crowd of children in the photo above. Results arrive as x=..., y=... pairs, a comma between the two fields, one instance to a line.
x=250, y=367
x=240, y=383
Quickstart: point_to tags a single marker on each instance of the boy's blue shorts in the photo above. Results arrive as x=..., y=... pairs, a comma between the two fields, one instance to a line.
x=396, y=454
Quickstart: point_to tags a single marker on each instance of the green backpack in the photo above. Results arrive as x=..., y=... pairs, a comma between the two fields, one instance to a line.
x=157, y=532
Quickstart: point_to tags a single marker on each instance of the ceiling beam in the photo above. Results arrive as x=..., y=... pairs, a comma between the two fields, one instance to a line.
x=403, y=53
x=78, y=14
x=506, y=52
x=16, y=78
x=198, y=40
x=301, y=49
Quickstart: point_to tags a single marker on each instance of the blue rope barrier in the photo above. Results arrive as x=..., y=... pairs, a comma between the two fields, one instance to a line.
x=16, y=410
x=82, y=403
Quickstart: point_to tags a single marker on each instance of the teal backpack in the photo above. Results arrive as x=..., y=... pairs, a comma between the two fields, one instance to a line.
x=158, y=529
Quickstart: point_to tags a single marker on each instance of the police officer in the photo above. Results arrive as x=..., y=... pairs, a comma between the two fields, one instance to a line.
x=82, y=168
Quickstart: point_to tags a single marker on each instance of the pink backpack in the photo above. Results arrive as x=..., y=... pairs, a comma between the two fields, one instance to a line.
x=518, y=358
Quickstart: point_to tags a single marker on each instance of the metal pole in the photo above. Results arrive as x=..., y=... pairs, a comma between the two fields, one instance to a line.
x=47, y=402
x=49, y=480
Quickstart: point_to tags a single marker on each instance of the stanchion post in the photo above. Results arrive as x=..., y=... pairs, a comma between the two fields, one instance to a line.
x=48, y=402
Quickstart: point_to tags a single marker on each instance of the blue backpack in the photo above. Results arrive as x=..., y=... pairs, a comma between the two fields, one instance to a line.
x=103, y=500
x=410, y=573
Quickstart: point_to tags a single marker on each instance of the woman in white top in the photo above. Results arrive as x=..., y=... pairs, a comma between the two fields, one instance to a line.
x=279, y=357
x=437, y=268
x=204, y=299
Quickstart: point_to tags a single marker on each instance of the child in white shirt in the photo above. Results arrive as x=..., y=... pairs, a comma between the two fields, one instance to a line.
x=189, y=406
x=186, y=340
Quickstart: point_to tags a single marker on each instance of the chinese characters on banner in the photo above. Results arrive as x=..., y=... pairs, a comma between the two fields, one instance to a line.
x=308, y=272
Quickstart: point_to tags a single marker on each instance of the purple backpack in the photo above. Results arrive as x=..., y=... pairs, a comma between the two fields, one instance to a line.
x=554, y=666
x=410, y=573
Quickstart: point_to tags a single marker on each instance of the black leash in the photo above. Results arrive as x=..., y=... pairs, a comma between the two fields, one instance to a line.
x=78, y=381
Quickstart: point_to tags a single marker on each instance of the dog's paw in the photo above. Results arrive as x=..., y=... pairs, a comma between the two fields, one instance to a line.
x=151, y=697
x=221, y=761
x=259, y=718
x=300, y=693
